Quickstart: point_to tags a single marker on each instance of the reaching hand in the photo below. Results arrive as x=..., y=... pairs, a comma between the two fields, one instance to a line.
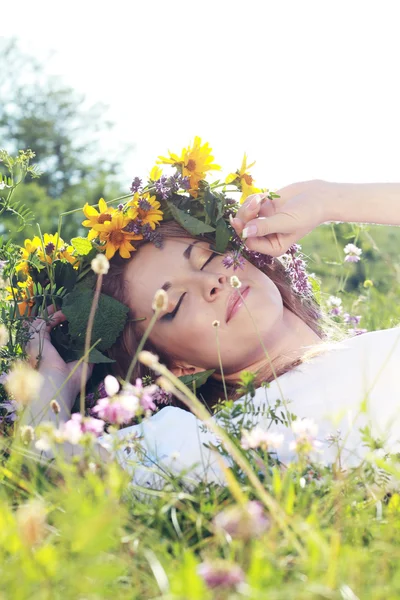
x=272, y=226
x=51, y=363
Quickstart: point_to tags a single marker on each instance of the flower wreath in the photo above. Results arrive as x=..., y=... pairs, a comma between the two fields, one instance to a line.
x=52, y=271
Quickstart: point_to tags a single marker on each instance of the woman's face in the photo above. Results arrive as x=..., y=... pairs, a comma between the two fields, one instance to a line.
x=199, y=293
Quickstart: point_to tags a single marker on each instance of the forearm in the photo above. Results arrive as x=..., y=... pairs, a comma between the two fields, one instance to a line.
x=53, y=388
x=364, y=203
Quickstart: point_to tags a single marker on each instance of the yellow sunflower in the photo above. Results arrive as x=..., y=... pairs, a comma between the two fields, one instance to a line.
x=146, y=208
x=112, y=232
x=194, y=163
x=94, y=217
x=23, y=294
x=30, y=246
x=243, y=180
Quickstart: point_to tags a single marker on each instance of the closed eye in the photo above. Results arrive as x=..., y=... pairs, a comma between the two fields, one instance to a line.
x=171, y=315
x=209, y=259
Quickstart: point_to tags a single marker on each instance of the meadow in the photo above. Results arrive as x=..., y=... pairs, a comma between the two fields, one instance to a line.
x=80, y=530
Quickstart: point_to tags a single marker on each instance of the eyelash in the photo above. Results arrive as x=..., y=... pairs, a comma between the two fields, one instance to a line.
x=171, y=315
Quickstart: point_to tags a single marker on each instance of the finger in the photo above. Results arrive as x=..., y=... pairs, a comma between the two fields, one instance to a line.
x=250, y=208
x=279, y=223
x=274, y=245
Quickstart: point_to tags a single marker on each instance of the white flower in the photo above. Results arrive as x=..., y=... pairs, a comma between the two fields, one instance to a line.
x=258, y=438
x=334, y=301
x=111, y=385
x=3, y=335
x=43, y=443
x=216, y=323
x=160, y=301
x=100, y=264
x=23, y=382
x=305, y=427
x=2, y=185
x=235, y=282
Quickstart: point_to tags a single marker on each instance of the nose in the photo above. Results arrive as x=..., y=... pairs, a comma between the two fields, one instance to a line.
x=213, y=284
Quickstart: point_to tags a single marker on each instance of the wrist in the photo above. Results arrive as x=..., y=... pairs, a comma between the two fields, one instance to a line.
x=333, y=201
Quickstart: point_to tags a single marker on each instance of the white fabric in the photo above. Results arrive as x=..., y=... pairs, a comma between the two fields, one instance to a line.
x=329, y=388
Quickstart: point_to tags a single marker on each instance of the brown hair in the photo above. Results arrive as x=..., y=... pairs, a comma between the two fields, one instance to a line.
x=307, y=309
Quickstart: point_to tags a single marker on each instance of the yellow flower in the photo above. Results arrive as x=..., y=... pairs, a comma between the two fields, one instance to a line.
x=112, y=232
x=243, y=180
x=145, y=208
x=23, y=293
x=155, y=173
x=30, y=247
x=93, y=217
x=194, y=163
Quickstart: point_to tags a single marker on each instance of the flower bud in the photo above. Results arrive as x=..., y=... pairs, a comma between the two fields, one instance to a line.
x=235, y=282
x=148, y=359
x=27, y=434
x=55, y=407
x=165, y=384
x=3, y=335
x=100, y=264
x=160, y=301
x=31, y=522
x=111, y=386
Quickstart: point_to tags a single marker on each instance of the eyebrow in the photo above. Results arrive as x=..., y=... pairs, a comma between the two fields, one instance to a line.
x=188, y=250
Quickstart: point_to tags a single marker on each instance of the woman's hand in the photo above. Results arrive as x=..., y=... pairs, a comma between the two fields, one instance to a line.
x=43, y=355
x=272, y=226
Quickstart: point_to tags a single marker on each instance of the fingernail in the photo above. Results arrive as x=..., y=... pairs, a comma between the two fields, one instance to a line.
x=256, y=201
x=249, y=231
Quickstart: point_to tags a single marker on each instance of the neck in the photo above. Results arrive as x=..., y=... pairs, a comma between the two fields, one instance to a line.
x=292, y=340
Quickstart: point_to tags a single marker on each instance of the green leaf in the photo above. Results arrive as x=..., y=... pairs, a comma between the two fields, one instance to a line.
x=96, y=357
x=191, y=224
x=222, y=236
x=64, y=275
x=109, y=320
x=82, y=245
x=199, y=379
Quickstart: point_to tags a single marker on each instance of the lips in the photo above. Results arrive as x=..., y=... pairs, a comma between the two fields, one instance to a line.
x=235, y=302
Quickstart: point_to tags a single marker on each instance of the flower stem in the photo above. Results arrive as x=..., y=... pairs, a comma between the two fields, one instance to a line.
x=89, y=328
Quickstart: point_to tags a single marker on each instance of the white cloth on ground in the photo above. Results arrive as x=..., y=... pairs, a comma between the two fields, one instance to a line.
x=329, y=388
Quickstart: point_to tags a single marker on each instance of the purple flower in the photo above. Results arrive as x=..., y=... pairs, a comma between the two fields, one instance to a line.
x=145, y=394
x=220, y=573
x=166, y=186
x=161, y=396
x=351, y=320
x=78, y=425
x=120, y=206
x=134, y=227
x=136, y=184
x=296, y=268
x=120, y=409
x=353, y=253
x=260, y=260
x=243, y=522
x=234, y=259
x=144, y=204
x=151, y=235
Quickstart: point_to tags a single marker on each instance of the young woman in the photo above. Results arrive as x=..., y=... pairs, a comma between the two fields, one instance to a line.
x=328, y=384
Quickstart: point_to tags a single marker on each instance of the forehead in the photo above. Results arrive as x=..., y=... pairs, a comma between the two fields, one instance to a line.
x=151, y=267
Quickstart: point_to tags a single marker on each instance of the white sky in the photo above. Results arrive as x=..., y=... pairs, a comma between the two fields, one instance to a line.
x=308, y=88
